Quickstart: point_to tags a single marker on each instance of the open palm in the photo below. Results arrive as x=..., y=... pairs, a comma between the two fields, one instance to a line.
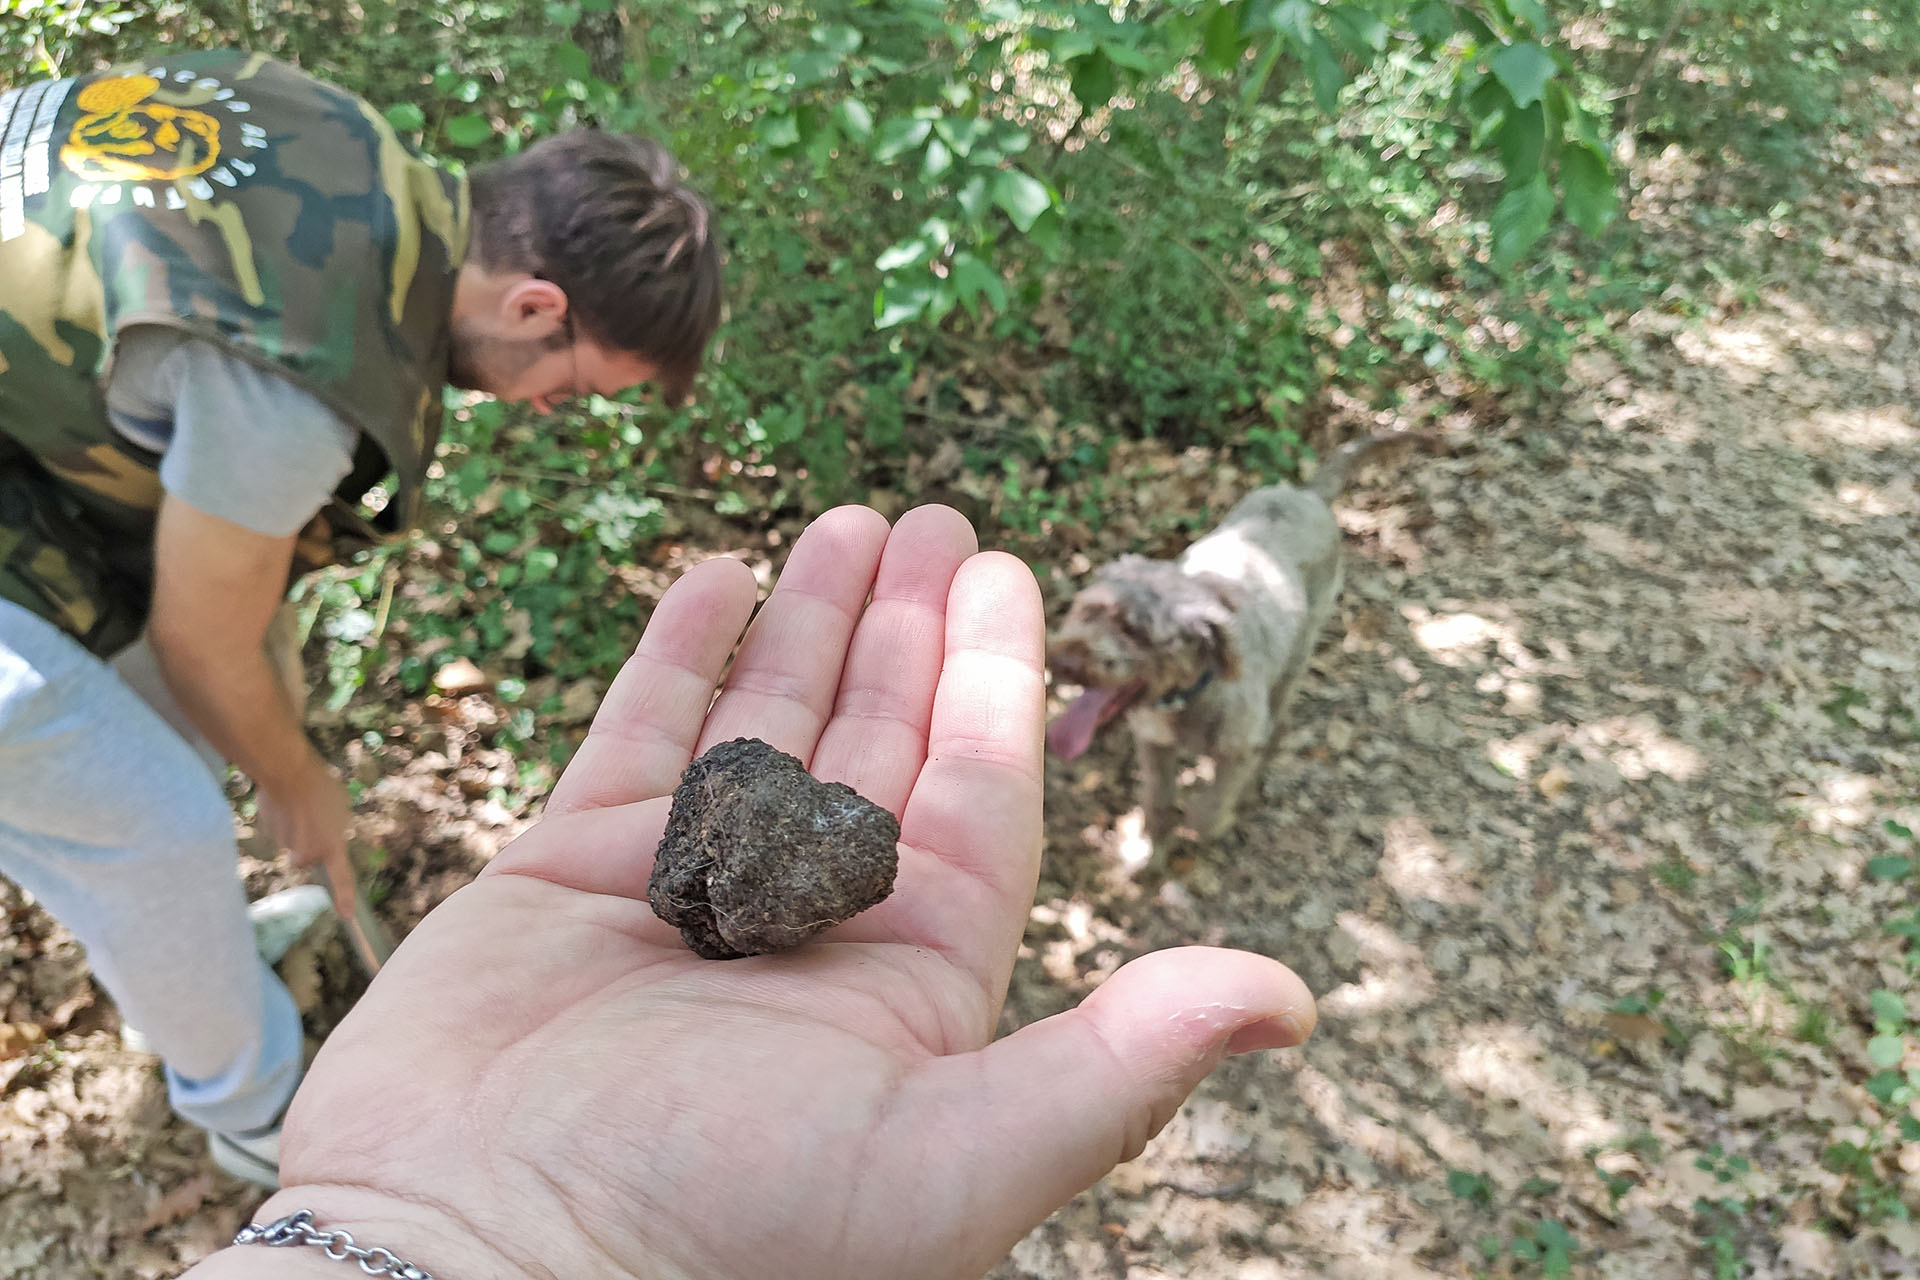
x=545, y=1081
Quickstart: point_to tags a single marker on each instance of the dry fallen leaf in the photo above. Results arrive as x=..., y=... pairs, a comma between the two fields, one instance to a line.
x=1634, y=1026
x=1553, y=782
x=1806, y=1252
x=182, y=1202
x=18, y=1038
x=458, y=677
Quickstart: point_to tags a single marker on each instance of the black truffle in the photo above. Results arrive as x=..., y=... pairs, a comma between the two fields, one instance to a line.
x=759, y=856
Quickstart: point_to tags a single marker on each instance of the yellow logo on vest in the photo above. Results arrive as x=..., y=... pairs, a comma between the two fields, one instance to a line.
x=128, y=136
x=162, y=136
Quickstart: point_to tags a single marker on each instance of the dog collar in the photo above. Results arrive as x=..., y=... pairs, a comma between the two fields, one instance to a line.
x=1180, y=697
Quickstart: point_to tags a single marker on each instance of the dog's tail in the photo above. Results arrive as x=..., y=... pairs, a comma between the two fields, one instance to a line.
x=1331, y=476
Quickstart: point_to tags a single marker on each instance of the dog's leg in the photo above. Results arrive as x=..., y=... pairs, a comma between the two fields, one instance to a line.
x=1157, y=774
x=1216, y=810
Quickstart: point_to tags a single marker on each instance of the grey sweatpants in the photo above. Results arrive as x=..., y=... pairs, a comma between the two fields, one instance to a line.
x=119, y=827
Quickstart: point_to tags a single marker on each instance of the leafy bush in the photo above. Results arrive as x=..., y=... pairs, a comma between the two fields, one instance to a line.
x=1192, y=219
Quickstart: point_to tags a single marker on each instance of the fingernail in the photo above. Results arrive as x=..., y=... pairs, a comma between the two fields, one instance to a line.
x=1280, y=1032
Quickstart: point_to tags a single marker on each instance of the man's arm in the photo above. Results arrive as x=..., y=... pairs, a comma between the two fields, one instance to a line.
x=216, y=587
x=247, y=459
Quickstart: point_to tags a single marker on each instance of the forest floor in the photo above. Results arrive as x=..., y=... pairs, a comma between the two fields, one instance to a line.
x=1587, y=834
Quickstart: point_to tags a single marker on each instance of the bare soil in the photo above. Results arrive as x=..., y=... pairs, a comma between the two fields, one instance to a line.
x=1570, y=836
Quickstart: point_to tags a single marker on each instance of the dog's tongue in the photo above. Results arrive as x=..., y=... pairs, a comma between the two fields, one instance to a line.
x=1072, y=733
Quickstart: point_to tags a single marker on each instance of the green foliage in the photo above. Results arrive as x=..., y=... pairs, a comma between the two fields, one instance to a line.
x=1189, y=220
x=1890, y=1082
x=1763, y=79
x=1542, y=1246
x=1718, y=1218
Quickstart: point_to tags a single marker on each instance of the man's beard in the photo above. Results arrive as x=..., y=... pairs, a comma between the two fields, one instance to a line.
x=478, y=361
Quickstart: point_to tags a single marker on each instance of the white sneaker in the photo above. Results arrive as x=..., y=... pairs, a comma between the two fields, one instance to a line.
x=279, y=919
x=252, y=1158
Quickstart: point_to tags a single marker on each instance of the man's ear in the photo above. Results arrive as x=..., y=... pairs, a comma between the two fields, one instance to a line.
x=533, y=308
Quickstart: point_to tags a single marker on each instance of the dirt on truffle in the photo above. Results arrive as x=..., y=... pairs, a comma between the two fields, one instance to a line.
x=759, y=855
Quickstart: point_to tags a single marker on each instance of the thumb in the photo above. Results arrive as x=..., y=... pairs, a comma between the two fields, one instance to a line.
x=1057, y=1104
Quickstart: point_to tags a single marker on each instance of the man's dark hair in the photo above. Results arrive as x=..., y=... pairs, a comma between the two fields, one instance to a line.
x=606, y=217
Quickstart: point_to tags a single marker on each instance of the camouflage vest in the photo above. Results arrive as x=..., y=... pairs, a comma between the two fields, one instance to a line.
x=241, y=202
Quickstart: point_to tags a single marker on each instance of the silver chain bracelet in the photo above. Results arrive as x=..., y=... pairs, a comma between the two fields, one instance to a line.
x=298, y=1229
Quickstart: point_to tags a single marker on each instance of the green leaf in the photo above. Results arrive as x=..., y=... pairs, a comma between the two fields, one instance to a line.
x=541, y=563
x=1889, y=868
x=1256, y=82
x=572, y=61
x=973, y=278
x=1886, y=1051
x=1555, y=1236
x=940, y=302
x=1222, y=47
x=1909, y=1127
x=1044, y=234
x=838, y=38
x=1531, y=12
x=898, y=136
x=907, y=253
x=900, y=301
x=1071, y=44
x=406, y=117
x=1094, y=81
x=1360, y=30
x=1592, y=199
x=972, y=198
x=1897, y=831
x=854, y=117
x=1024, y=197
x=469, y=130
x=779, y=132
x=1325, y=73
x=939, y=160
x=1883, y=1085
x=810, y=67
x=1888, y=1007
x=961, y=134
x=1292, y=18
x=1524, y=69
x=1521, y=139
x=1557, y=1264
x=1432, y=22
x=1125, y=55
x=1469, y=1186
x=1519, y=219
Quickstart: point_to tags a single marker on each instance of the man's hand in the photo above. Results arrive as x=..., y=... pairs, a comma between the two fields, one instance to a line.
x=544, y=1081
x=308, y=818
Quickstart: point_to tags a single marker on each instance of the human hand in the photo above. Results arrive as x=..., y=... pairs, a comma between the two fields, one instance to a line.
x=308, y=818
x=544, y=1081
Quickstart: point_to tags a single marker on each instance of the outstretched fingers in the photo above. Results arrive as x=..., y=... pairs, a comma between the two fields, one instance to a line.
x=970, y=832
x=876, y=739
x=649, y=723
x=782, y=686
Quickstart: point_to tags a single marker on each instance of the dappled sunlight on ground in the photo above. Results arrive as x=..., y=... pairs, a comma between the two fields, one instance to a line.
x=1572, y=834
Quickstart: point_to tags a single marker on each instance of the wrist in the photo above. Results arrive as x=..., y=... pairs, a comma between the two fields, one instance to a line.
x=425, y=1235
x=300, y=775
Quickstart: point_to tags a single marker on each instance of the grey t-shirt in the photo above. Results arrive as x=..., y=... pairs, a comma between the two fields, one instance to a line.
x=235, y=440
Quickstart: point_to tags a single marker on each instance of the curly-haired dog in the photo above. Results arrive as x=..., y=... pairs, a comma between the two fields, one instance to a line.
x=1202, y=654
